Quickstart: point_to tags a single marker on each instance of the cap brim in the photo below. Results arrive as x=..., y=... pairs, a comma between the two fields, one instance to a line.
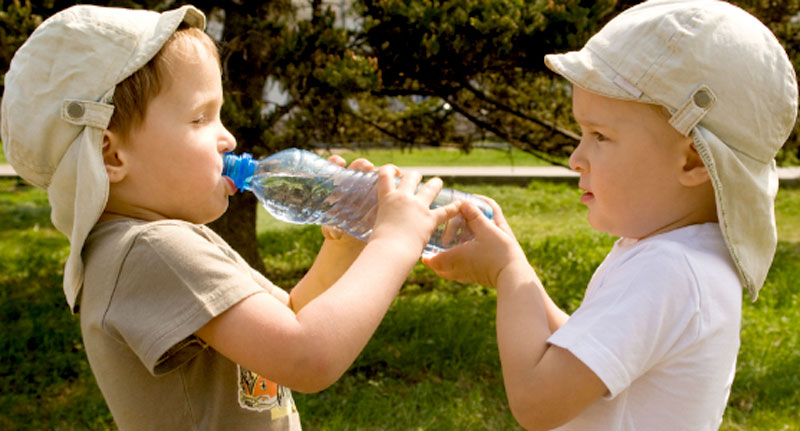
x=588, y=71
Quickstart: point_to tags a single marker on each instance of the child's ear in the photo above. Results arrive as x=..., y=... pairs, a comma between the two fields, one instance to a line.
x=113, y=157
x=694, y=172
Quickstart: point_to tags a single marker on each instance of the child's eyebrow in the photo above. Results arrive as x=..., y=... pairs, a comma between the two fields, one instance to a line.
x=587, y=122
x=205, y=103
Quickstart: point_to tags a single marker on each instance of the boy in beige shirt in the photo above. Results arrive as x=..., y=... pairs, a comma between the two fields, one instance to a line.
x=116, y=113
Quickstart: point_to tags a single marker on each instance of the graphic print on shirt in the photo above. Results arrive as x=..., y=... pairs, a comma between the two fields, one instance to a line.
x=259, y=394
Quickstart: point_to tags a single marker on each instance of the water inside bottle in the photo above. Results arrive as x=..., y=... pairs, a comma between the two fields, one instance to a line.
x=295, y=197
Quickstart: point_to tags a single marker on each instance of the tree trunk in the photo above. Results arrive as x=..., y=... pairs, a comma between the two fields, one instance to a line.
x=238, y=227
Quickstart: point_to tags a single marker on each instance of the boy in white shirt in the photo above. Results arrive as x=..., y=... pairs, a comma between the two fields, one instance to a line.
x=682, y=107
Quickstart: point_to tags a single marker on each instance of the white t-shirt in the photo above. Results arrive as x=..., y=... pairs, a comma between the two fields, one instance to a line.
x=659, y=325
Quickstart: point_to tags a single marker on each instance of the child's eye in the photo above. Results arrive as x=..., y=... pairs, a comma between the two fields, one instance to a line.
x=599, y=137
x=199, y=120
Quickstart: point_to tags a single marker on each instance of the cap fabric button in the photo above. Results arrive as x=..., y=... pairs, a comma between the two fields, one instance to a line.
x=702, y=99
x=75, y=110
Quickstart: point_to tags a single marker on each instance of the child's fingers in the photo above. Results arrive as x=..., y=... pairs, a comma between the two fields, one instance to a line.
x=337, y=160
x=409, y=181
x=330, y=232
x=386, y=174
x=444, y=264
x=362, y=165
x=452, y=229
x=475, y=218
x=498, y=217
x=359, y=164
x=444, y=213
x=430, y=189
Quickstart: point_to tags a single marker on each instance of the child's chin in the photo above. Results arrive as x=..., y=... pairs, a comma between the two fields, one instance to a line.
x=210, y=217
x=597, y=224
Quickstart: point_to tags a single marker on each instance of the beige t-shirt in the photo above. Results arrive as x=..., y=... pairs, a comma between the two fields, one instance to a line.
x=148, y=287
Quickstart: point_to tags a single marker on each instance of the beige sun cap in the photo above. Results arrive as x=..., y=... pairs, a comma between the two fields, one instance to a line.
x=727, y=83
x=57, y=104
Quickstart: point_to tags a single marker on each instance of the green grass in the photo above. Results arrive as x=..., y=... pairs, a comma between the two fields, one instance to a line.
x=432, y=364
x=446, y=157
x=45, y=380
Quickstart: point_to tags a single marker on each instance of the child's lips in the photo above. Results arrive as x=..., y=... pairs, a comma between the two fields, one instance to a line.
x=230, y=187
x=587, y=196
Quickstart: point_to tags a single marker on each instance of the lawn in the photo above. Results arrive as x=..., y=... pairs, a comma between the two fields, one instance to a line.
x=446, y=157
x=432, y=364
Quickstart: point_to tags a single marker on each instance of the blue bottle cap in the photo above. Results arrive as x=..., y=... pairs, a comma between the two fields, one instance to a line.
x=238, y=168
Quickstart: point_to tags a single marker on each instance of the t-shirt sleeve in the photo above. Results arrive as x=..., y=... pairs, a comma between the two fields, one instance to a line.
x=633, y=317
x=172, y=282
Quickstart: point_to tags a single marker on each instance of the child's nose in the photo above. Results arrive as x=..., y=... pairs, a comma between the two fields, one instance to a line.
x=577, y=162
x=227, y=142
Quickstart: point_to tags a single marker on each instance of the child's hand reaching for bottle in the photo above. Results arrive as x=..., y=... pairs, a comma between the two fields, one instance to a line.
x=493, y=250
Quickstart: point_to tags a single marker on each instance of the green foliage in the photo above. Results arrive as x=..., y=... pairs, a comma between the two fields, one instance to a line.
x=17, y=21
x=484, y=59
x=407, y=72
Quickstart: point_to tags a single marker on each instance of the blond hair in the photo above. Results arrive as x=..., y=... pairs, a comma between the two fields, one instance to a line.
x=134, y=94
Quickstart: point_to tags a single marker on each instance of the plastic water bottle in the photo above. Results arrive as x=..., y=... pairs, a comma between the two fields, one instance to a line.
x=298, y=186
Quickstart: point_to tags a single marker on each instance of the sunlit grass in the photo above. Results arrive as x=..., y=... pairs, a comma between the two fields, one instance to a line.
x=446, y=157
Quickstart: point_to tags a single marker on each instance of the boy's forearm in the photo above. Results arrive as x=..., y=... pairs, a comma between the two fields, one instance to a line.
x=522, y=320
x=333, y=259
x=524, y=274
x=346, y=315
x=523, y=327
x=546, y=385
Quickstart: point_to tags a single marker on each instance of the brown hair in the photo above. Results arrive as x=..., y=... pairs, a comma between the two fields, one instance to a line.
x=134, y=93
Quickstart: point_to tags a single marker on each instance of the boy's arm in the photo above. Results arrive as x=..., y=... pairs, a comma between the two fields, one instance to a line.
x=338, y=252
x=309, y=350
x=546, y=385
